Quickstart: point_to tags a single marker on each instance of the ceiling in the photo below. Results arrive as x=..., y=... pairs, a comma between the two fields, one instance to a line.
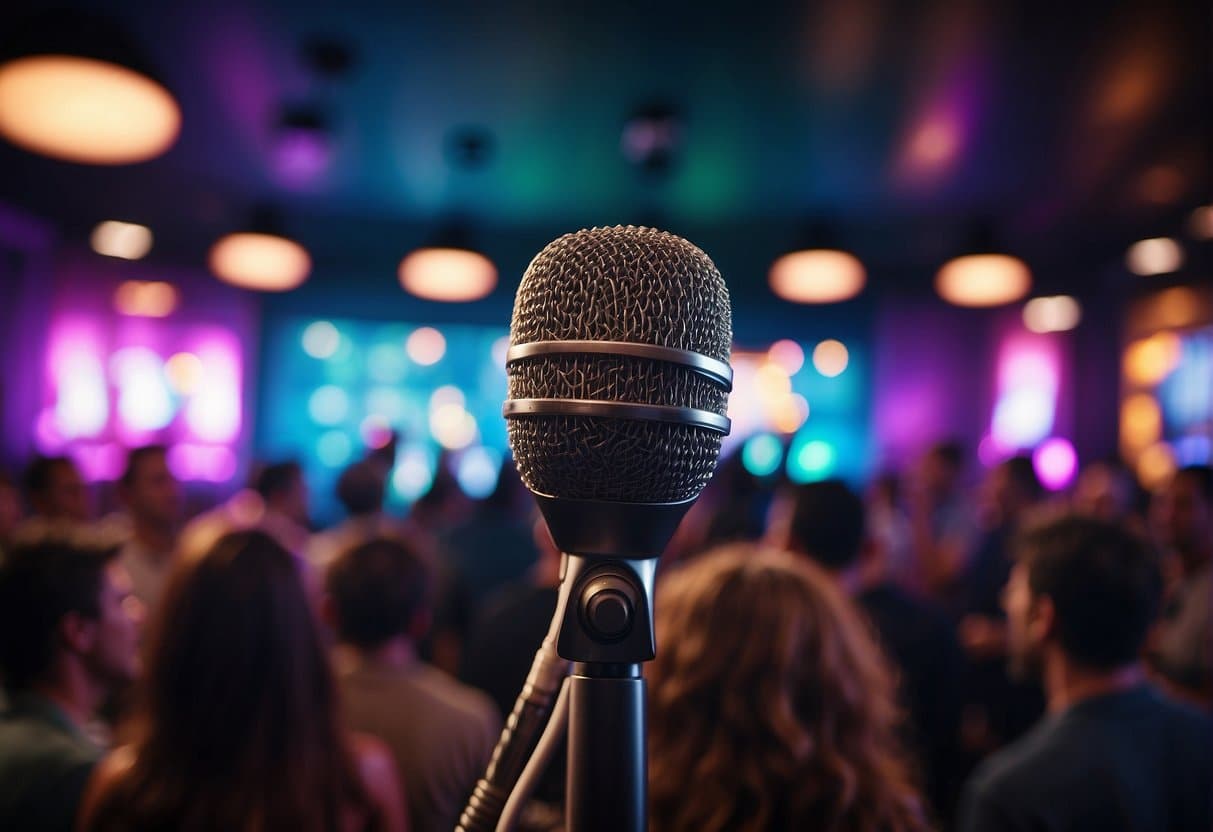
x=1073, y=128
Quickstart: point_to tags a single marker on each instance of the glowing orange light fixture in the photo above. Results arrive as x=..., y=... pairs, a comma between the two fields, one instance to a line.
x=981, y=280
x=818, y=275
x=85, y=110
x=145, y=299
x=259, y=261
x=452, y=275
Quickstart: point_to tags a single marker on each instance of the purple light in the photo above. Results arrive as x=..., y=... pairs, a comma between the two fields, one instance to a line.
x=302, y=155
x=1028, y=374
x=1056, y=463
x=202, y=462
x=78, y=381
x=99, y=463
x=213, y=414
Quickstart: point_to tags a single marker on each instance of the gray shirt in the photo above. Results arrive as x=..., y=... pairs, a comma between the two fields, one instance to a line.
x=440, y=732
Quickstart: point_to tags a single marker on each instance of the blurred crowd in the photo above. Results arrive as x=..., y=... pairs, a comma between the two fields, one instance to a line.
x=949, y=649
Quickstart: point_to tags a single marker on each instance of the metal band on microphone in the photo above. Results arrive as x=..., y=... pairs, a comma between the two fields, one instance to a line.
x=714, y=369
x=618, y=410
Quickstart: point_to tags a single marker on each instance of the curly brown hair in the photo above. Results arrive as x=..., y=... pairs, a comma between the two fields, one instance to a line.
x=771, y=705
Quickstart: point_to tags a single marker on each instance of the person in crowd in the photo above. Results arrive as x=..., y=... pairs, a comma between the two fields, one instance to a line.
x=889, y=528
x=825, y=521
x=68, y=638
x=11, y=512
x=770, y=706
x=55, y=492
x=237, y=726
x=504, y=638
x=284, y=495
x=360, y=490
x=1106, y=490
x=1182, y=649
x=943, y=523
x=1113, y=754
x=152, y=497
x=441, y=732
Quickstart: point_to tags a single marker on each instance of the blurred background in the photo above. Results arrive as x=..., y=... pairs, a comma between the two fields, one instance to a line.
x=264, y=229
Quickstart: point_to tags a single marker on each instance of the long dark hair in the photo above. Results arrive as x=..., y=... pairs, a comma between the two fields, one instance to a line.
x=237, y=720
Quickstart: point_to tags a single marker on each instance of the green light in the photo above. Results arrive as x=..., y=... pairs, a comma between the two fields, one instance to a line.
x=762, y=454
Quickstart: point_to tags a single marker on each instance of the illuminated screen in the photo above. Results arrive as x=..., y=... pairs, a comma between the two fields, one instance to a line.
x=1186, y=395
x=112, y=384
x=333, y=389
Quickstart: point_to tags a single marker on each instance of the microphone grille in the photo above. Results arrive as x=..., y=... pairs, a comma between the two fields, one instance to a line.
x=626, y=284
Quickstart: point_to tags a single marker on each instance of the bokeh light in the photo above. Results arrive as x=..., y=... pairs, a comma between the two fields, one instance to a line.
x=184, y=372
x=1156, y=465
x=1056, y=463
x=811, y=460
x=261, y=262
x=477, y=470
x=328, y=405
x=831, y=357
x=125, y=240
x=387, y=363
x=1140, y=422
x=448, y=274
x=980, y=280
x=334, y=448
x=426, y=346
x=453, y=427
x=1157, y=255
x=787, y=354
x=762, y=454
x=414, y=473
x=84, y=110
x=1150, y=360
x=817, y=276
x=145, y=299
x=1058, y=313
x=321, y=339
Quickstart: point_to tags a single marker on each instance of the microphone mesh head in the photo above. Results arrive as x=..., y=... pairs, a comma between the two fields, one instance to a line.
x=619, y=284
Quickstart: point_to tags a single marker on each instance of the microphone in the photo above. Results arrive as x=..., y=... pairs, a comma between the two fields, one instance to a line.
x=618, y=394
x=618, y=385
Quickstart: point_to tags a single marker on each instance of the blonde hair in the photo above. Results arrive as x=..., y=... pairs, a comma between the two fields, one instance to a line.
x=771, y=705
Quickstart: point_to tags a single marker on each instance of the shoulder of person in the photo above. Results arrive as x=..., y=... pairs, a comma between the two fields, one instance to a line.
x=377, y=770
x=107, y=774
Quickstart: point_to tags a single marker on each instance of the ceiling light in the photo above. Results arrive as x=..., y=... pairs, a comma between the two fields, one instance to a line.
x=121, y=239
x=259, y=261
x=817, y=276
x=1157, y=255
x=1058, y=313
x=980, y=280
x=448, y=274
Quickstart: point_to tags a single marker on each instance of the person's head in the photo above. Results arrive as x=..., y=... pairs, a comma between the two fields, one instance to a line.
x=1104, y=490
x=1010, y=489
x=238, y=715
x=826, y=522
x=148, y=488
x=55, y=489
x=1086, y=588
x=361, y=487
x=379, y=592
x=1181, y=512
x=66, y=602
x=284, y=490
x=941, y=468
x=768, y=685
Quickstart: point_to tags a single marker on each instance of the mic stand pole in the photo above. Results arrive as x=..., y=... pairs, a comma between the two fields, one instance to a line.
x=607, y=631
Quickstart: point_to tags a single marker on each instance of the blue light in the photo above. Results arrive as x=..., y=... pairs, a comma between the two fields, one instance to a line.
x=414, y=473
x=762, y=454
x=333, y=448
x=328, y=405
x=812, y=460
x=321, y=340
x=387, y=363
x=477, y=471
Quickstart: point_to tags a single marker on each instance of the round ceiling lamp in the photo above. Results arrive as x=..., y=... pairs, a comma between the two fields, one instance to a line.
x=818, y=275
x=450, y=275
x=71, y=88
x=1157, y=255
x=981, y=277
x=261, y=262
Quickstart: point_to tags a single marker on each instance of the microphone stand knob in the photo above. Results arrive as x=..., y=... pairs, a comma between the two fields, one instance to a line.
x=609, y=607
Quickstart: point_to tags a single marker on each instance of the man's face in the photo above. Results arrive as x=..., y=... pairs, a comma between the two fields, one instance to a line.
x=66, y=497
x=1181, y=516
x=114, y=654
x=1024, y=640
x=154, y=494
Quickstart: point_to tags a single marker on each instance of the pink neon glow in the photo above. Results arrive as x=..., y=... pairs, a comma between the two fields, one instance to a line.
x=99, y=463
x=46, y=432
x=78, y=381
x=1056, y=463
x=208, y=463
x=213, y=414
x=145, y=403
x=1028, y=379
x=990, y=452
